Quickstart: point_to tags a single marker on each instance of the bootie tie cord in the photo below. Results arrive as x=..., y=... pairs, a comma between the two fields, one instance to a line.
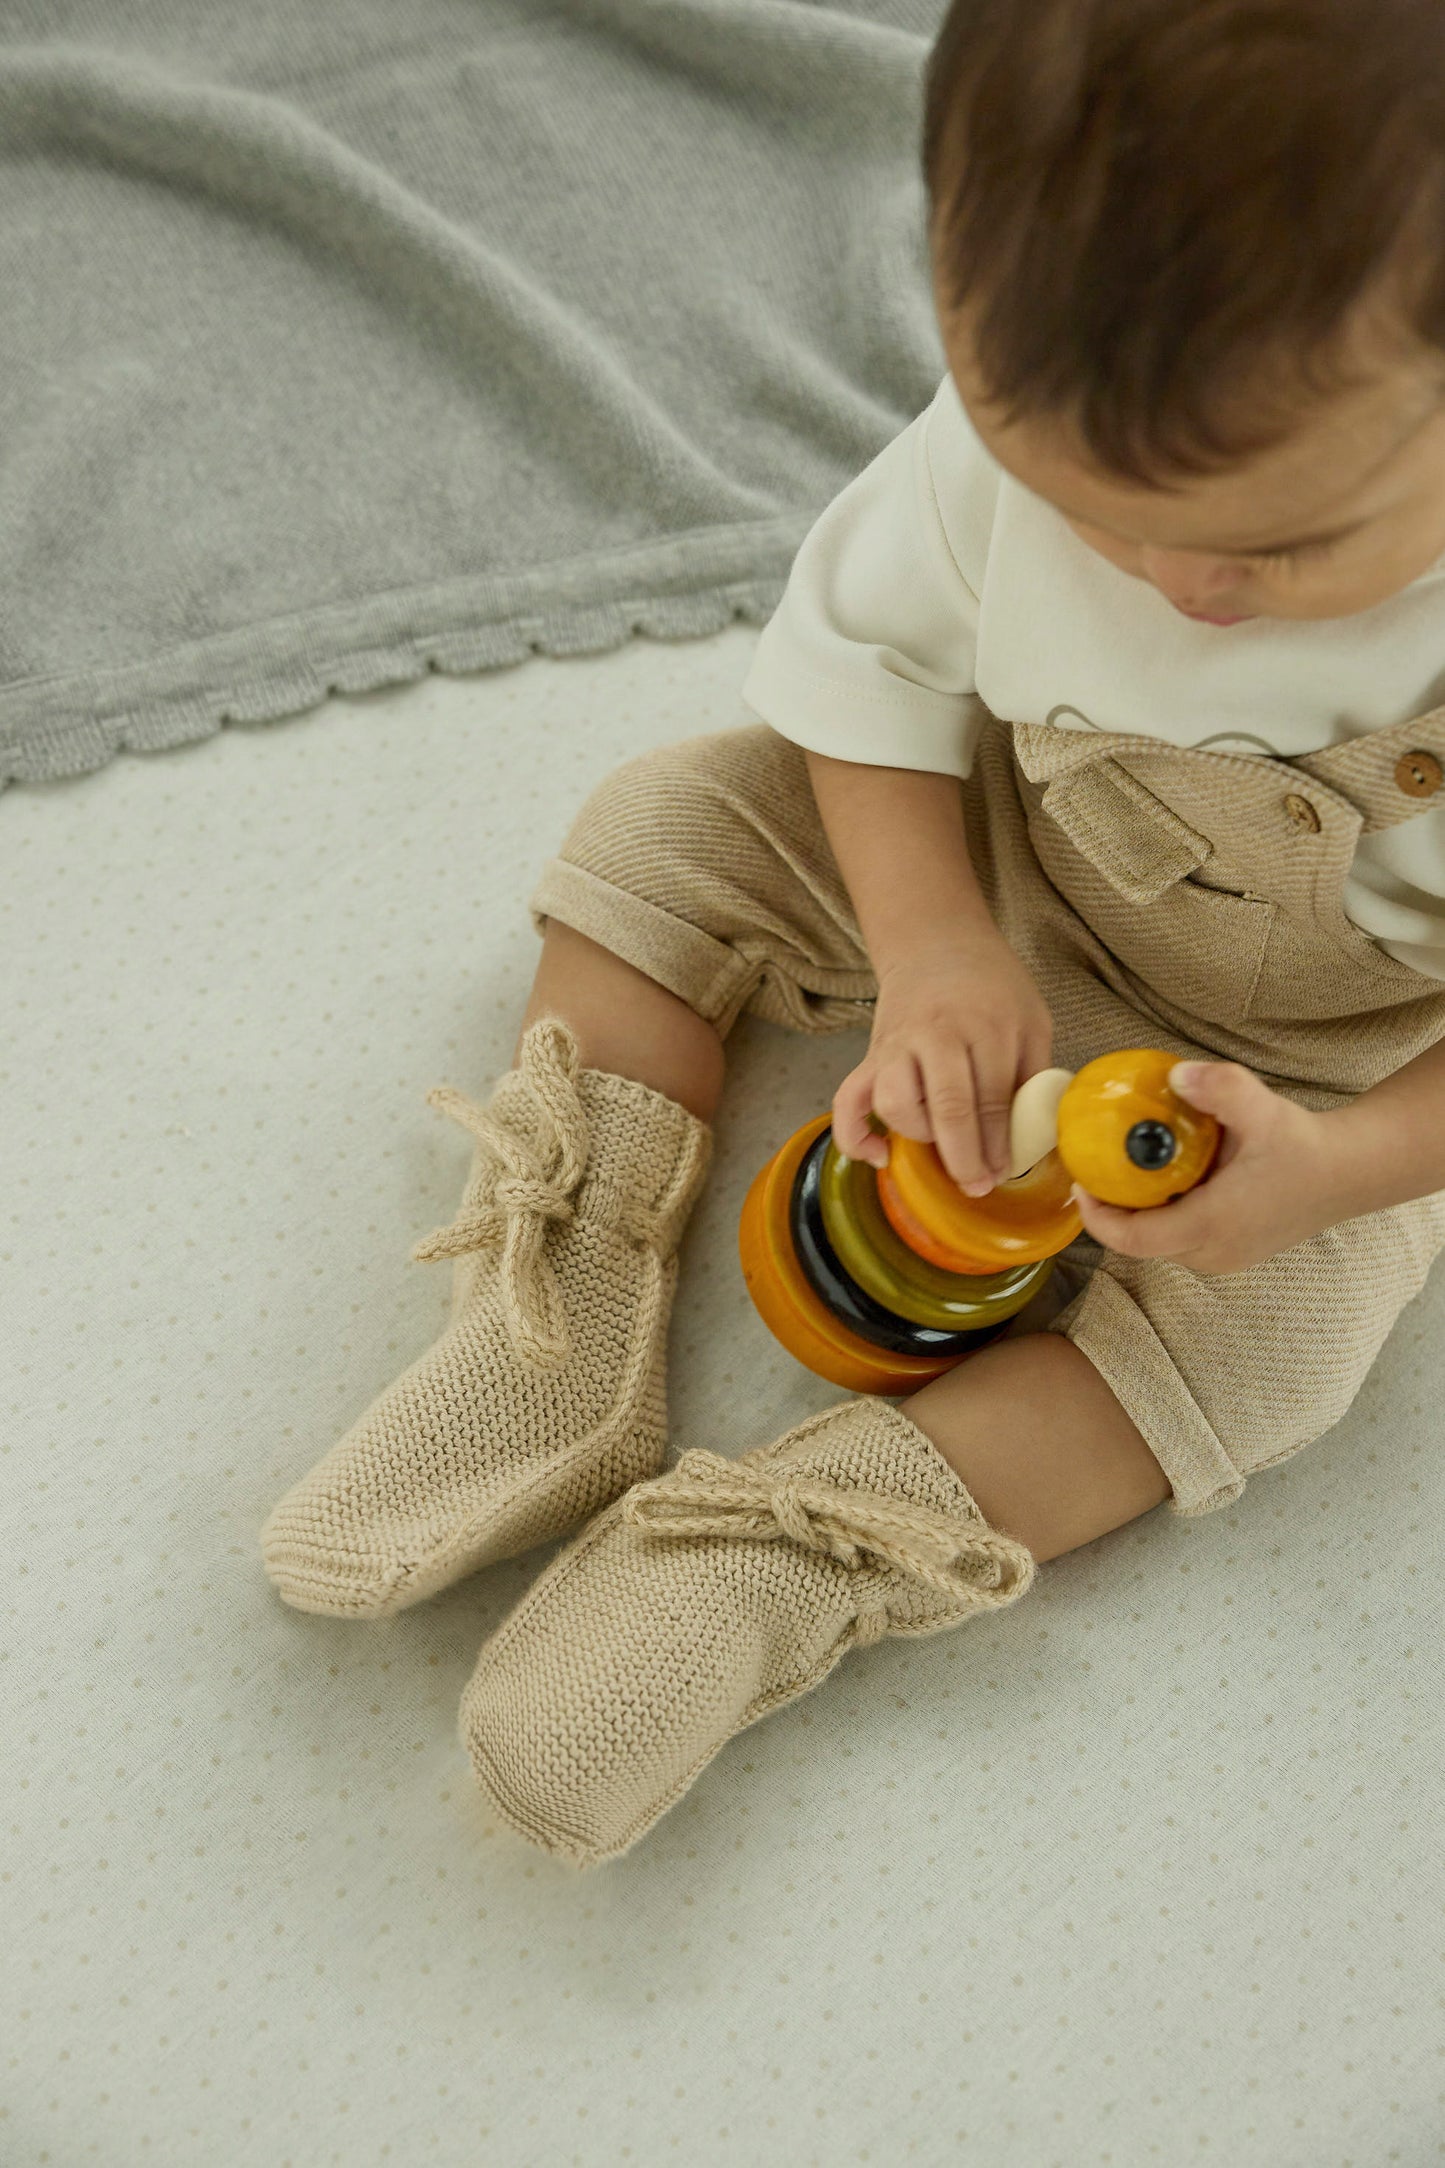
x=526, y=1191
x=974, y=1567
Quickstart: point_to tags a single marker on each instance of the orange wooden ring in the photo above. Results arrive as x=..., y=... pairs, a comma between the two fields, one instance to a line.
x=1017, y=1223
x=787, y=1304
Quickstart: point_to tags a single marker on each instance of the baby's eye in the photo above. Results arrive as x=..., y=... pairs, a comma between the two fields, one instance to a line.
x=1301, y=555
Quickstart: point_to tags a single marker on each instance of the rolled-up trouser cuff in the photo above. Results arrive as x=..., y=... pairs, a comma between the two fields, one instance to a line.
x=1106, y=1324
x=713, y=979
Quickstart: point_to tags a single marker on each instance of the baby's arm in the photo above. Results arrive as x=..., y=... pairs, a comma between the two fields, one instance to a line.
x=959, y=1022
x=1391, y=1140
x=869, y=664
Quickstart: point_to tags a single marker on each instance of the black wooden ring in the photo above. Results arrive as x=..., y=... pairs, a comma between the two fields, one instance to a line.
x=840, y=1292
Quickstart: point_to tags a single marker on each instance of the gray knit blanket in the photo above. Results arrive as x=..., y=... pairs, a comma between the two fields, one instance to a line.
x=347, y=339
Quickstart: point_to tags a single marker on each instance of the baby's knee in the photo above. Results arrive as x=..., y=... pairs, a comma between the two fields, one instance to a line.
x=1226, y=1376
x=705, y=801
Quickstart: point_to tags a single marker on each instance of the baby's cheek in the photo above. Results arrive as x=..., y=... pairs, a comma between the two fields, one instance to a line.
x=1330, y=594
x=1371, y=571
x=1126, y=555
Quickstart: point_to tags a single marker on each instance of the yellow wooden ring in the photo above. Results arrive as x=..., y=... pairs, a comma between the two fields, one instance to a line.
x=787, y=1304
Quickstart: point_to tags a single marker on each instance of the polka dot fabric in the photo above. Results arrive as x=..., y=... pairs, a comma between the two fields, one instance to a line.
x=1142, y=1870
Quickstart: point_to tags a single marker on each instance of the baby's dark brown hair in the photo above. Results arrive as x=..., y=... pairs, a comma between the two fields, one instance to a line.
x=1147, y=206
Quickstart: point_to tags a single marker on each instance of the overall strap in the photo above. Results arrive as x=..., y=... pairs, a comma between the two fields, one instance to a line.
x=1388, y=775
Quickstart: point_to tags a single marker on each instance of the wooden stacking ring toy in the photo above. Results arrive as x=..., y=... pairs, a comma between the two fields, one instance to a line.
x=880, y=1279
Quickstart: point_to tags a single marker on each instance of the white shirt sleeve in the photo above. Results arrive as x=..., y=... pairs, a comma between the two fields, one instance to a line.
x=870, y=654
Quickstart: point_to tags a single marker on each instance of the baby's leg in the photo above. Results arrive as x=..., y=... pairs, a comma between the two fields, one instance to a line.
x=1039, y=1439
x=694, y=882
x=727, y=1587
x=1157, y=1383
x=1031, y=1427
x=625, y=1022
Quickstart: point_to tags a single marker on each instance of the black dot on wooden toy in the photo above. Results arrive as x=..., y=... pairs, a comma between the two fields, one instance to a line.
x=1151, y=1144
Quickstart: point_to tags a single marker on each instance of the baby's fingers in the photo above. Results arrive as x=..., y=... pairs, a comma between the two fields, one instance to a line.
x=852, y=1104
x=996, y=1072
x=1176, y=1229
x=898, y=1097
x=953, y=1114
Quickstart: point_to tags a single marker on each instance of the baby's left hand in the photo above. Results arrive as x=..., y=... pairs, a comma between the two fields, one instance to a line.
x=1273, y=1184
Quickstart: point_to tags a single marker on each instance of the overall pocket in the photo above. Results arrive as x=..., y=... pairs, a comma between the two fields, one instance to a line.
x=1151, y=890
x=1316, y=971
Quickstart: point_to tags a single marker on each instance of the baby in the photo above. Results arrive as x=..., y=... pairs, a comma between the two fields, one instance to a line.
x=1100, y=711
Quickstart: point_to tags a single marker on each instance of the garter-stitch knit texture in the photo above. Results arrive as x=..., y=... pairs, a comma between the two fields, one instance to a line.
x=707, y=1597
x=546, y=1395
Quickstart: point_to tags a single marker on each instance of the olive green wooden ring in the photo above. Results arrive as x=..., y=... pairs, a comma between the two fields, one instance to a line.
x=873, y=1254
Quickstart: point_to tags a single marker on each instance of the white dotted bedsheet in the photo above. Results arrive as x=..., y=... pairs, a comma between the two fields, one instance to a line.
x=1147, y=1869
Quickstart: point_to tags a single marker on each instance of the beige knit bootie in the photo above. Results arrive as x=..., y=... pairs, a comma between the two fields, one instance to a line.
x=545, y=1397
x=708, y=1597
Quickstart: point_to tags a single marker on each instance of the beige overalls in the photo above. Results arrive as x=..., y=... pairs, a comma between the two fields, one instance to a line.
x=1160, y=896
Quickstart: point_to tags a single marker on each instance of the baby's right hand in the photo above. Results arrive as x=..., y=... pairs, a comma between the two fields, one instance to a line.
x=958, y=1027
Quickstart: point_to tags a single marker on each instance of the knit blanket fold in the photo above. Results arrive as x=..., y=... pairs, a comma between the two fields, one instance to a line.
x=347, y=342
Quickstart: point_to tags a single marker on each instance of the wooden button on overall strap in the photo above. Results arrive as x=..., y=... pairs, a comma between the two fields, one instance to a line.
x=1388, y=775
x=1419, y=774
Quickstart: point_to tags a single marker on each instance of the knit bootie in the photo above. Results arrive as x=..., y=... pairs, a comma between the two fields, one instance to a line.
x=545, y=1397
x=708, y=1597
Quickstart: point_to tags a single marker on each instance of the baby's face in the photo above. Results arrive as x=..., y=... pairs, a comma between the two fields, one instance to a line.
x=1342, y=514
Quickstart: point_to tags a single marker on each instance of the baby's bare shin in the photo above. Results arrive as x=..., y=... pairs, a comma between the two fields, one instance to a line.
x=1043, y=1445
x=625, y=1022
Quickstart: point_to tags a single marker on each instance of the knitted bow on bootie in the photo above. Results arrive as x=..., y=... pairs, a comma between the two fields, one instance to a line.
x=515, y=1190
x=707, y=1597
x=706, y=1495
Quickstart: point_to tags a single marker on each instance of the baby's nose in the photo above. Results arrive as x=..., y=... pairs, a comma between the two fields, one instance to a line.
x=1189, y=578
